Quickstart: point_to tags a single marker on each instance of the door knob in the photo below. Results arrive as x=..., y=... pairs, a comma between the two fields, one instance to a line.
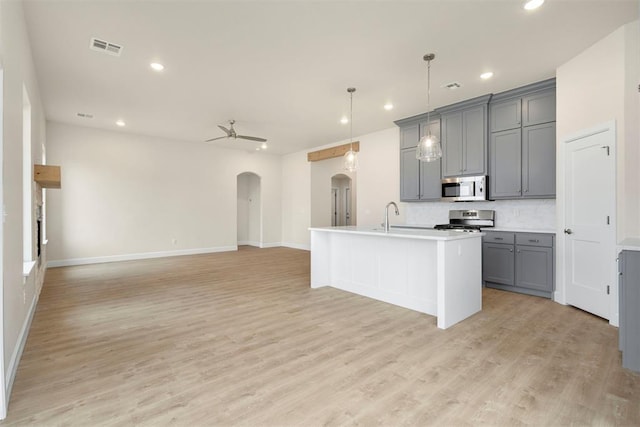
x=568, y=231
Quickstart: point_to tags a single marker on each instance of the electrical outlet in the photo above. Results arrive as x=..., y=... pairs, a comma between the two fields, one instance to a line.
x=174, y=241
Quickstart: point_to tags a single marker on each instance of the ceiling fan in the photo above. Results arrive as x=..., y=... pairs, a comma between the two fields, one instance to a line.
x=231, y=133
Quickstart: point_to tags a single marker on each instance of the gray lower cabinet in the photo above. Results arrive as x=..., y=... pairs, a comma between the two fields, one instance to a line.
x=419, y=181
x=498, y=264
x=629, y=308
x=519, y=262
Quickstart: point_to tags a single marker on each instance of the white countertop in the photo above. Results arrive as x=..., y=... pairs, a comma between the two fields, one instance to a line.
x=630, y=244
x=403, y=232
x=512, y=230
x=520, y=230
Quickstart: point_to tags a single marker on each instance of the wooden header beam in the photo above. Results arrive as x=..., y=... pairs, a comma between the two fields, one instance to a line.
x=330, y=153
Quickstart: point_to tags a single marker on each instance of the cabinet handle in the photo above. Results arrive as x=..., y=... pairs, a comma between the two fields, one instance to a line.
x=534, y=240
x=510, y=250
x=498, y=238
x=518, y=251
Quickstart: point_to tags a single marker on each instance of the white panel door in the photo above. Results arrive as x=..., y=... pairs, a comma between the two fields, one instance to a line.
x=589, y=215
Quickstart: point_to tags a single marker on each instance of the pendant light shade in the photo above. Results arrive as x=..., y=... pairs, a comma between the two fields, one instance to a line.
x=428, y=148
x=350, y=159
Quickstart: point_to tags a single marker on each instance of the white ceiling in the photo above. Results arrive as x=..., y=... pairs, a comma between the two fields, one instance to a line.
x=281, y=68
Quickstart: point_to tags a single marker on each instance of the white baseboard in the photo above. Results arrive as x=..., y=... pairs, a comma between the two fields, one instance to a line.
x=249, y=243
x=297, y=246
x=271, y=245
x=12, y=369
x=133, y=257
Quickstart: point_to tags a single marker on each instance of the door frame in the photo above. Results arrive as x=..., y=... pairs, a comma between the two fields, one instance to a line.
x=561, y=247
x=3, y=383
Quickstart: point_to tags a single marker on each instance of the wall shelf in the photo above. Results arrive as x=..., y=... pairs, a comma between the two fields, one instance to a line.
x=47, y=176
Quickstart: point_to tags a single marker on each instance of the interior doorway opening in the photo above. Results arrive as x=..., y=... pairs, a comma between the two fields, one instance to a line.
x=341, y=201
x=249, y=211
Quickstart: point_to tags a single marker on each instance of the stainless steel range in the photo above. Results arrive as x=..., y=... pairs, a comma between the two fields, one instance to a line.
x=470, y=221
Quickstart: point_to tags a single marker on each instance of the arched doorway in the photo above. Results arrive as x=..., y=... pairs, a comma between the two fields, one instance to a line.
x=342, y=212
x=249, y=212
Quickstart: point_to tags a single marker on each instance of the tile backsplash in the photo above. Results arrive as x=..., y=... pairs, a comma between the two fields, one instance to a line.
x=533, y=214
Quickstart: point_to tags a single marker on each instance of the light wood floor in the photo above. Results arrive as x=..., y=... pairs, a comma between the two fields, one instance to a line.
x=239, y=338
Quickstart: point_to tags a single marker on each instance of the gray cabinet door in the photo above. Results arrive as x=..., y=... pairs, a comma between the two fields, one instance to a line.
x=430, y=172
x=409, y=175
x=498, y=263
x=505, y=115
x=539, y=160
x=630, y=309
x=409, y=136
x=452, y=144
x=430, y=181
x=505, y=170
x=474, y=139
x=539, y=107
x=534, y=268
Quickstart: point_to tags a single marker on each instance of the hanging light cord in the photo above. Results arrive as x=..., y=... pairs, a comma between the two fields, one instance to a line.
x=428, y=93
x=351, y=122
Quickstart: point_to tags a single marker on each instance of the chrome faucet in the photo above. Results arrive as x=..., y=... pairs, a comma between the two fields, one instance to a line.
x=385, y=224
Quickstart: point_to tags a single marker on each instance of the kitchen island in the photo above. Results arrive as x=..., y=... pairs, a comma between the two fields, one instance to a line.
x=435, y=272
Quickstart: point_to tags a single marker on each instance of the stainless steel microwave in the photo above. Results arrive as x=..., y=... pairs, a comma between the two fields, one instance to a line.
x=464, y=188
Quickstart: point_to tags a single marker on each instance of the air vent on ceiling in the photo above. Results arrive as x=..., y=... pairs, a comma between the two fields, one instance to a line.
x=453, y=85
x=106, y=47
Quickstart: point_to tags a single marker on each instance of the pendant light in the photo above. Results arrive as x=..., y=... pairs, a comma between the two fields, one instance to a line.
x=351, y=157
x=428, y=149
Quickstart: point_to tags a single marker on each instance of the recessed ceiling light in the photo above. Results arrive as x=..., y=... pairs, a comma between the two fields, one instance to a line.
x=533, y=4
x=157, y=66
x=120, y=123
x=263, y=146
x=487, y=75
x=388, y=106
x=344, y=120
x=257, y=148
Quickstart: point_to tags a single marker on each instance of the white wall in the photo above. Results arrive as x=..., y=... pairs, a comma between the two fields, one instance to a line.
x=18, y=296
x=374, y=184
x=321, y=183
x=249, y=210
x=129, y=196
x=597, y=86
x=296, y=200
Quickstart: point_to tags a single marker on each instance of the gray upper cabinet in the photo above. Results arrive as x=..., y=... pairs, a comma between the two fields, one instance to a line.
x=409, y=135
x=464, y=137
x=539, y=161
x=419, y=181
x=452, y=148
x=539, y=108
x=506, y=115
x=522, y=144
x=409, y=175
x=505, y=169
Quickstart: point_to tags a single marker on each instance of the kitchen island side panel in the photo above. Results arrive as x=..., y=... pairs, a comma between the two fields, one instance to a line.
x=459, y=280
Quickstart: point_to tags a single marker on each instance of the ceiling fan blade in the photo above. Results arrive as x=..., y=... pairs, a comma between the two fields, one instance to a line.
x=252, y=138
x=227, y=131
x=214, y=139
